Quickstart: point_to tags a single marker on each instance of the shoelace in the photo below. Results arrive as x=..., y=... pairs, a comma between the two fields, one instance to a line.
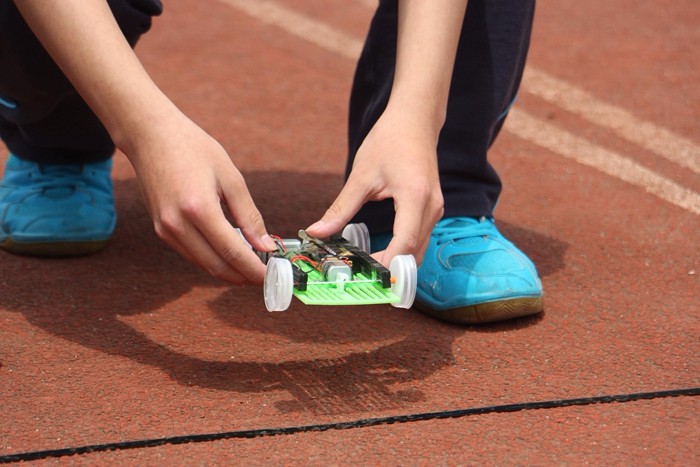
x=459, y=230
x=59, y=176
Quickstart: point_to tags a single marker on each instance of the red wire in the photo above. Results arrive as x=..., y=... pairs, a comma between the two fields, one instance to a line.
x=280, y=242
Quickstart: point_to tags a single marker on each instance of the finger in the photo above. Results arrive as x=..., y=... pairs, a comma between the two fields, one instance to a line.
x=242, y=207
x=424, y=247
x=413, y=224
x=349, y=201
x=379, y=255
x=190, y=243
x=409, y=230
x=230, y=247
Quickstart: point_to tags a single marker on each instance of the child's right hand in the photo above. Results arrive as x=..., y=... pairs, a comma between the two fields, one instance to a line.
x=188, y=180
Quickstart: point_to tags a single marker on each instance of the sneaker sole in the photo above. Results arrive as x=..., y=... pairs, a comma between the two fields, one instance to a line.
x=54, y=249
x=486, y=312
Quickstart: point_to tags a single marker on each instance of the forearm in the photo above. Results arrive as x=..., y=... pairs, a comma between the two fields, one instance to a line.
x=84, y=39
x=185, y=174
x=428, y=34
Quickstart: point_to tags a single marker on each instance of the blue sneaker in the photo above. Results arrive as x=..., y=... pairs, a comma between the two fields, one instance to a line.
x=472, y=274
x=56, y=209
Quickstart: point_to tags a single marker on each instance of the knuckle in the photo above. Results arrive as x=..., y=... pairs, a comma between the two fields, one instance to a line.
x=160, y=230
x=255, y=218
x=237, y=280
x=422, y=190
x=232, y=255
x=192, y=208
x=412, y=243
x=334, y=210
x=219, y=271
x=168, y=223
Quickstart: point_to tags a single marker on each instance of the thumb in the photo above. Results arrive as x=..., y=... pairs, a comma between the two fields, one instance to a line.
x=345, y=206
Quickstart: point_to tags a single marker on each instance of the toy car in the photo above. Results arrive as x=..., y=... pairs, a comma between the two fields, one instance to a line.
x=335, y=272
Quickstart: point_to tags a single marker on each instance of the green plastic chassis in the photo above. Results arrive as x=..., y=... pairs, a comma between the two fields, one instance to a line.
x=361, y=289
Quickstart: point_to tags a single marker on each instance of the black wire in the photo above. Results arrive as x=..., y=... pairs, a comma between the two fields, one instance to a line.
x=208, y=437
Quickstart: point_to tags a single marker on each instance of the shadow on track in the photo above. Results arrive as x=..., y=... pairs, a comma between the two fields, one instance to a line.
x=90, y=301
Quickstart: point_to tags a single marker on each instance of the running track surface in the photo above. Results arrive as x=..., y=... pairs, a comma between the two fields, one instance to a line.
x=134, y=356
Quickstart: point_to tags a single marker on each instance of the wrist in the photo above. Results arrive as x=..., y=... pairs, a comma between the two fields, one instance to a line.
x=423, y=115
x=140, y=122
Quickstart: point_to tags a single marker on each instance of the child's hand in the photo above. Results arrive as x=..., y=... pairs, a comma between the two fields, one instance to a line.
x=188, y=180
x=185, y=175
x=397, y=160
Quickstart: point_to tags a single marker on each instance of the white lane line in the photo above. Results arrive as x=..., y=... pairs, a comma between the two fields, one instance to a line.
x=300, y=25
x=570, y=146
x=520, y=123
x=659, y=140
x=672, y=147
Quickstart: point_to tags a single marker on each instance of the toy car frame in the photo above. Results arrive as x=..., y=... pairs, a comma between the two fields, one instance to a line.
x=335, y=272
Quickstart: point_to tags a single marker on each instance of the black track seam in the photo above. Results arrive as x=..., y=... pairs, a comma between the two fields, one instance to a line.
x=362, y=423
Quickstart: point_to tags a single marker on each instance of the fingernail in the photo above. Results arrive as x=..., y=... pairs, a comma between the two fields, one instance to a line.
x=316, y=225
x=268, y=242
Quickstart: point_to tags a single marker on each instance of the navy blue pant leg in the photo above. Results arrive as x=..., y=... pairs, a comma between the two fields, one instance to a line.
x=489, y=65
x=42, y=117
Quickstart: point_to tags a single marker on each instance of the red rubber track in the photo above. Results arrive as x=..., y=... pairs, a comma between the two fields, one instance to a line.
x=134, y=344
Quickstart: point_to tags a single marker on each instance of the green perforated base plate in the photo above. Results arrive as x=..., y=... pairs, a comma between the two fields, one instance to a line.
x=362, y=290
